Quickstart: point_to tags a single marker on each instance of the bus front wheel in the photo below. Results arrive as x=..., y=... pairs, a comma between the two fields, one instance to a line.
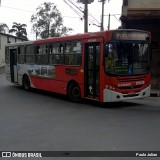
x=26, y=83
x=74, y=92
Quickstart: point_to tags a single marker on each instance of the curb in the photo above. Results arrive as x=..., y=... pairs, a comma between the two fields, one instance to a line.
x=155, y=95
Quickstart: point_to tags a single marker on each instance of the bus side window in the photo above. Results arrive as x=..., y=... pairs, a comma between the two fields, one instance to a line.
x=50, y=49
x=77, y=51
x=37, y=50
x=56, y=54
x=73, y=53
x=30, y=56
x=68, y=56
x=21, y=55
x=42, y=54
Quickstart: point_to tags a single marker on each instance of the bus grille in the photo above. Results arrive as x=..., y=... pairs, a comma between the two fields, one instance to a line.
x=131, y=79
x=131, y=87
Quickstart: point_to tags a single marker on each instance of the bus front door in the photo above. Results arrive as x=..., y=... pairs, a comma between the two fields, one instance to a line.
x=92, y=70
x=13, y=65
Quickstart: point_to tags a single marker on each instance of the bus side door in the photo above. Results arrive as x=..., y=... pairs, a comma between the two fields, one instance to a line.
x=92, y=69
x=13, y=64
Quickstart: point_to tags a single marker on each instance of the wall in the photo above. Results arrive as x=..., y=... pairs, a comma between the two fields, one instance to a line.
x=144, y=4
x=3, y=42
x=132, y=7
x=4, y=39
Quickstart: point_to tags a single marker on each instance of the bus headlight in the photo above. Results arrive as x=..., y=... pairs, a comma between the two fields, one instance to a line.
x=110, y=87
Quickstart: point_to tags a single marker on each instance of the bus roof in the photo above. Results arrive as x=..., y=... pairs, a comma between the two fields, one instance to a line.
x=19, y=43
x=72, y=37
x=88, y=35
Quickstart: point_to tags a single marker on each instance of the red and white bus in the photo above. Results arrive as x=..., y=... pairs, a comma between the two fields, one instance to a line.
x=106, y=66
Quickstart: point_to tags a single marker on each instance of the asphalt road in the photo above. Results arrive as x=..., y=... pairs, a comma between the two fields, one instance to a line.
x=42, y=121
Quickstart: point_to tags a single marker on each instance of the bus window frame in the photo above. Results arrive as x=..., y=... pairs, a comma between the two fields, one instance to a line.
x=126, y=41
x=31, y=45
x=72, y=52
x=45, y=47
x=51, y=53
x=24, y=54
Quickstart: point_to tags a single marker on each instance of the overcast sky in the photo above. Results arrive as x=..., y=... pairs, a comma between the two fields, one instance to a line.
x=20, y=11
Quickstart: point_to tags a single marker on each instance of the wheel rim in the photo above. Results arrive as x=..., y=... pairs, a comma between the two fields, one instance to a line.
x=76, y=92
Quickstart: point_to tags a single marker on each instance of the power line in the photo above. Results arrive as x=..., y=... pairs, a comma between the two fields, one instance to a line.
x=78, y=11
x=79, y=8
x=114, y=15
x=94, y=18
x=76, y=6
x=92, y=21
x=31, y=11
x=17, y=9
x=116, y=18
x=80, y=15
x=70, y=17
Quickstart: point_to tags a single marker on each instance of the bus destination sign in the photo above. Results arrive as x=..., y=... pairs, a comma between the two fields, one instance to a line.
x=129, y=36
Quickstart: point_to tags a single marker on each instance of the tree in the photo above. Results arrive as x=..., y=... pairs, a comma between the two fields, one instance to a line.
x=4, y=28
x=48, y=22
x=19, y=30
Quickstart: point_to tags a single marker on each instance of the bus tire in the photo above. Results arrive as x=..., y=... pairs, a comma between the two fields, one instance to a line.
x=26, y=83
x=74, y=92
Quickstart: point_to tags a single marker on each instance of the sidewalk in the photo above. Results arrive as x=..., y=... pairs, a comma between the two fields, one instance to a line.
x=155, y=93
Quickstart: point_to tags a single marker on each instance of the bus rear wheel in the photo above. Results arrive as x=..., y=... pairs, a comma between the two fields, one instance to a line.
x=26, y=83
x=74, y=92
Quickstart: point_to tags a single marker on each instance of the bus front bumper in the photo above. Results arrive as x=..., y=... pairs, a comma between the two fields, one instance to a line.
x=113, y=96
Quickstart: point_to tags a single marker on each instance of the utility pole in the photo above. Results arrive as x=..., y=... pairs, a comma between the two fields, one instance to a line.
x=85, y=2
x=102, y=16
x=109, y=21
x=86, y=17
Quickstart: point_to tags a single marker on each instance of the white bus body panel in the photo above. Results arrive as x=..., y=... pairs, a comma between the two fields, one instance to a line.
x=22, y=70
x=15, y=73
x=113, y=96
x=8, y=72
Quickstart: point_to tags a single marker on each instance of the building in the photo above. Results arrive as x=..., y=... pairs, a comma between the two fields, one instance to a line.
x=145, y=15
x=4, y=39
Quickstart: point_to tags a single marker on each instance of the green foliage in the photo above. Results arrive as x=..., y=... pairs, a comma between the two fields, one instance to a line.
x=48, y=22
x=4, y=28
x=19, y=30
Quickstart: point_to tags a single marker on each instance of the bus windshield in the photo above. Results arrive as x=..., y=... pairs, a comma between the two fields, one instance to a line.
x=126, y=58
